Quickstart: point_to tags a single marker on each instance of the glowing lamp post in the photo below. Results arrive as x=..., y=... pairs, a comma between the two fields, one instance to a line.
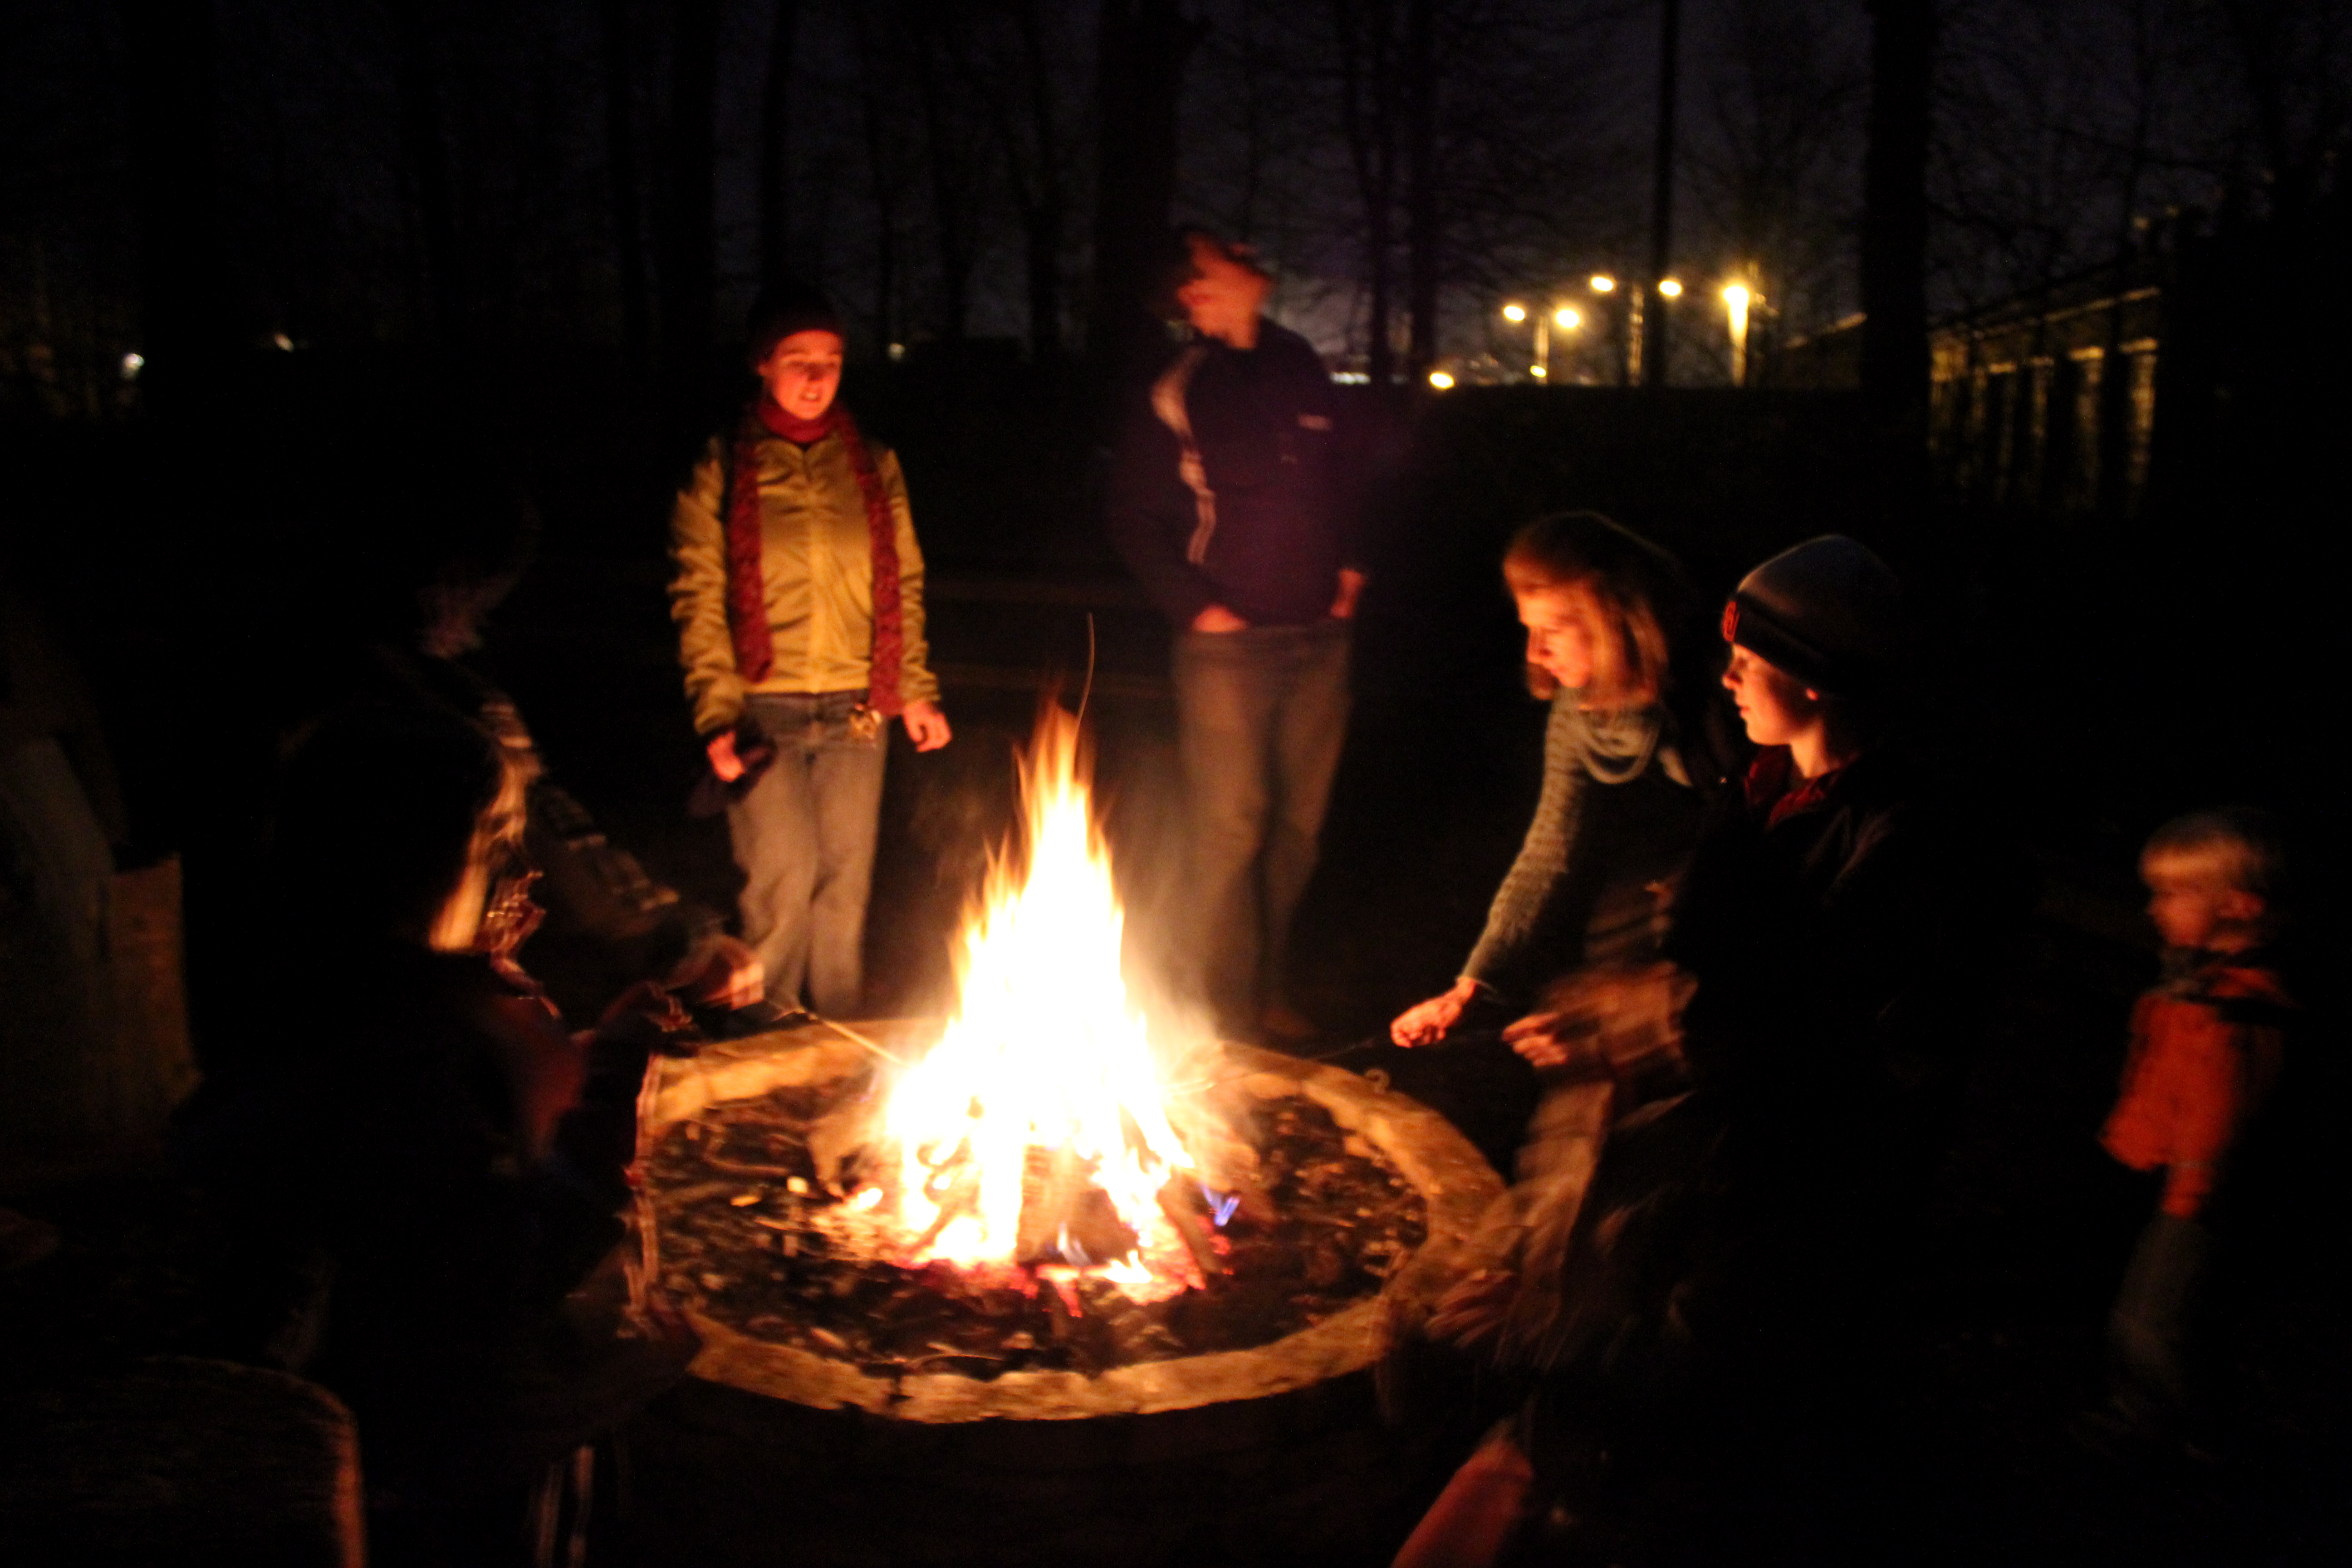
x=1605, y=284
x=1734, y=305
x=1515, y=313
x=1566, y=318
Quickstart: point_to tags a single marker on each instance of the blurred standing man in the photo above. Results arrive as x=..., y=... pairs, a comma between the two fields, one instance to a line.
x=1224, y=500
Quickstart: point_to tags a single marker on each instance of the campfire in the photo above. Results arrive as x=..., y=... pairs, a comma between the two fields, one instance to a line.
x=1036, y=1132
x=1054, y=1205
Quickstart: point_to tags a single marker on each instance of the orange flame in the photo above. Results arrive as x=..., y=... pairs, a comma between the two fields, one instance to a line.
x=1045, y=1049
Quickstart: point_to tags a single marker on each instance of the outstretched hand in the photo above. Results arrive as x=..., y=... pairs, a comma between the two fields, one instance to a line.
x=1472, y=1311
x=1427, y=1023
x=1554, y=1039
x=724, y=973
x=1618, y=1019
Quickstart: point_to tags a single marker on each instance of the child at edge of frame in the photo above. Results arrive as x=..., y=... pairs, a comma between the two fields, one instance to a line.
x=2208, y=1043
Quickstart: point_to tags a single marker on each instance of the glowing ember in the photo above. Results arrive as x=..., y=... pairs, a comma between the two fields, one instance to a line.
x=1045, y=1053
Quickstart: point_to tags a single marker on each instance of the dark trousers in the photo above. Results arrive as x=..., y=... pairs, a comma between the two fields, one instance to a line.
x=2152, y=1333
x=1261, y=714
x=803, y=836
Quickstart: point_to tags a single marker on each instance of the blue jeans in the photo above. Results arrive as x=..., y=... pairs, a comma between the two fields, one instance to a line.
x=803, y=836
x=1260, y=715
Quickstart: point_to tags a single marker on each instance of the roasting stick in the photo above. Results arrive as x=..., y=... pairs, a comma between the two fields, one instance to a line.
x=1196, y=1086
x=853, y=1037
x=643, y=1272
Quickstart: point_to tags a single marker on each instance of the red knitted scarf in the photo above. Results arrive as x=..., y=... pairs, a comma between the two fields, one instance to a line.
x=747, y=602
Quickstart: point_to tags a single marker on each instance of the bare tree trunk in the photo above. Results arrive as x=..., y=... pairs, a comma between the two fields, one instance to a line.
x=428, y=158
x=1894, y=235
x=628, y=213
x=775, y=159
x=1044, y=215
x=1661, y=195
x=1253, y=121
x=184, y=283
x=1140, y=74
x=875, y=117
x=1420, y=196
x=1368, y=105
x=688, y=260
x=950, y=174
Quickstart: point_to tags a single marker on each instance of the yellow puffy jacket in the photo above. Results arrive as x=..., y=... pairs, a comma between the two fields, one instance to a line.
x=815, y=568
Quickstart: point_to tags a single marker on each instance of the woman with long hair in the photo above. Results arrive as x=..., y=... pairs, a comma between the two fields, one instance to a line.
x=1616, y=817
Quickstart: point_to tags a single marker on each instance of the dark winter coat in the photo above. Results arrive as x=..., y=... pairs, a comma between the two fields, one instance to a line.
x=1821, y=922
x=1823, y=1039
x=440, y=1168
x=1263, y=525
x=609, y=924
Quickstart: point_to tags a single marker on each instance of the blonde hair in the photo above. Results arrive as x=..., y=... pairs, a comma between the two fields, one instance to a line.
x=1637, y=587
x=2237, y=847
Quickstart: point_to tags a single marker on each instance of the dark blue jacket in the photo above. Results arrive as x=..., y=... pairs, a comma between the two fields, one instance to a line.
x=1266, y=529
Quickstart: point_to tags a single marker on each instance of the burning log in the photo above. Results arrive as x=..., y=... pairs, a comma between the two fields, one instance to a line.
x=1180, y=1201
x=846, y=1145
x=1064, y=1217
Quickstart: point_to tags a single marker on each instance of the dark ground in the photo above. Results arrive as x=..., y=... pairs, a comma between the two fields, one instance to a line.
x=2034, y=1224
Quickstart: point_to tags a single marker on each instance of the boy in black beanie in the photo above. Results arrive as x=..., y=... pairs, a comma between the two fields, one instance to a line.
x=1730, y=1280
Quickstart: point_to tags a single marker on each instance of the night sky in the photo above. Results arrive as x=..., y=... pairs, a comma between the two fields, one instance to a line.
x=2056, y=125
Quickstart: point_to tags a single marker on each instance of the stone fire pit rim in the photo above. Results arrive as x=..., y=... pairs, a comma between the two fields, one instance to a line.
x=1455, y=1184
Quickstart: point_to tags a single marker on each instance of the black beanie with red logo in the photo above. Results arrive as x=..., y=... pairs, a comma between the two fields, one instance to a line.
x=1828, y=611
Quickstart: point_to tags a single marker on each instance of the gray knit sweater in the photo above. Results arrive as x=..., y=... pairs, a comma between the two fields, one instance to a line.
x=1615, y=817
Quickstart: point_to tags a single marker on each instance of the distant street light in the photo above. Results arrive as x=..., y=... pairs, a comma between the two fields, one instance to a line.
x=1567, y=321
x=1670, y=288
x=1601, y=283
x=1440, y=379
x=1734, y=305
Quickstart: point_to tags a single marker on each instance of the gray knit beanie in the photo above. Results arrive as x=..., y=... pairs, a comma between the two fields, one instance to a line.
x=1828, y=611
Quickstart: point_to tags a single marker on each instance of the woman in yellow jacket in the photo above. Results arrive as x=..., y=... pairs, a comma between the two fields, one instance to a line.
x=798, y=595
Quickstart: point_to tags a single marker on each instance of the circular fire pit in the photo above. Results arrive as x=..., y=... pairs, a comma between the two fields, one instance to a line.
x=789, y=1286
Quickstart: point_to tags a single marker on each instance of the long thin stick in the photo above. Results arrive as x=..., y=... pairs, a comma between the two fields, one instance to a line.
x=846, y=1033
x=1088, y=688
